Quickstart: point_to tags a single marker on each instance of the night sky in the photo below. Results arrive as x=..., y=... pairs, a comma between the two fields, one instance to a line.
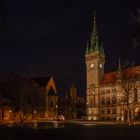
x=41, y=37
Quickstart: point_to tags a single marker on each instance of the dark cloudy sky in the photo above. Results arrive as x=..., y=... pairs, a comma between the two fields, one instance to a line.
x=41, y=37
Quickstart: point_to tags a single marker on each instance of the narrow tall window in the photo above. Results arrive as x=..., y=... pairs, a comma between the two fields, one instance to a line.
x=51, y=104
x=114, y=100
x=108, y=101
x=135, y=95
x=102, y=101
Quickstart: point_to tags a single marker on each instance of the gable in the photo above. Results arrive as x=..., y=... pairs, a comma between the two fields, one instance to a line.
x=41, y=81
x=51, y=86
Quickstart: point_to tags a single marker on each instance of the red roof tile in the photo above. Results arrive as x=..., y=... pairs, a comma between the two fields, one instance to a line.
x=111, y=78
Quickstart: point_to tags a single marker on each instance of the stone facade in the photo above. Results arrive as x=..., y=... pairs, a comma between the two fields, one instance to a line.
x=49, y=96
x=104, y=94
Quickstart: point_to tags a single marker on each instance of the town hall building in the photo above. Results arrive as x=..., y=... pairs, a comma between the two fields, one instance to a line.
x=104, y=94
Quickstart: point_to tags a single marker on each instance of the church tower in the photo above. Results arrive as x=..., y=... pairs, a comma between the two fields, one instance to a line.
x=95, y=60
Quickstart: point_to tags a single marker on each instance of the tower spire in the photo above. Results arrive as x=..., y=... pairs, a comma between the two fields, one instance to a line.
x=94, y=25
x=120, y=69
x=94, y=36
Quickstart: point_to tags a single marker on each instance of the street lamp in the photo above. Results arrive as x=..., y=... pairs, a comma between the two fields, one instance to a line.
x=87, y=109
x=10, y=115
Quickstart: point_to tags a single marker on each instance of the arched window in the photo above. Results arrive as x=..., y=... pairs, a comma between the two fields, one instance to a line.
x=103, y=111
x=51, y=104
x=102, y=101
x=135, y=95
x=114, y=100
x=91, y=101
x=108, y=101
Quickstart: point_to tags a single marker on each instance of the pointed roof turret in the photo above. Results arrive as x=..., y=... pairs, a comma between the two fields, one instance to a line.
x=94, y=32
x=97, y=46
x=119, y=69
x=94, y=25
x=94, y=44
x=91, y=50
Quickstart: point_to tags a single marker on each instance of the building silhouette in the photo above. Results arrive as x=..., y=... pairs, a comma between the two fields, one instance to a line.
x=71, y=106
x=23, y=98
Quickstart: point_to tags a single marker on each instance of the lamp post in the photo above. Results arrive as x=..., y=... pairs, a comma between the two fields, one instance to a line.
x=34, y=114
x=56, y=113
x=10, y=115
x=122, y=111
x=87, y=109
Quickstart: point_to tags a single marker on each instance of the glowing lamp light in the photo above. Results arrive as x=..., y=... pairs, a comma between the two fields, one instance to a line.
x=89, y=118
x=34, y=111
x=94, y=118
x=101, y=65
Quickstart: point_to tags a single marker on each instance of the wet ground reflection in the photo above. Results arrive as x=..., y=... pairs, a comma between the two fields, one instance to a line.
x=36, y=125
x=45, y=125
x=68, y=131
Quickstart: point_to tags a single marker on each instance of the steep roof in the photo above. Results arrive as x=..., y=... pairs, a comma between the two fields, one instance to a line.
x=112, y=77
x=42, y=81
x=132, y=72
x=51, y=92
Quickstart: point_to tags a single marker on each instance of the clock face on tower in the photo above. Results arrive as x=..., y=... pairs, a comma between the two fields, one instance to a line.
x=100, y=65
x=91, y=65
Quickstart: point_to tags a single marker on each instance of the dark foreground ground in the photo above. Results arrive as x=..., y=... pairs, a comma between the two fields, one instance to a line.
x=70, y=132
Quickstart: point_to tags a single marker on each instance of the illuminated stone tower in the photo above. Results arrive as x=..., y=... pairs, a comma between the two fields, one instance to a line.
x=95, y=60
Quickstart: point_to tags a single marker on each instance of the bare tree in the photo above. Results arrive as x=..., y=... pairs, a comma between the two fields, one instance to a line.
x=129, y=78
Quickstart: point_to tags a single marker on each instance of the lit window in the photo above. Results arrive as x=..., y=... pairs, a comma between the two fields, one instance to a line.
x=108, y=101
x=102, y=91
x=114, y=111
x=108, y=91
x=114, y=100
x=108, y=111
x=114, y=90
